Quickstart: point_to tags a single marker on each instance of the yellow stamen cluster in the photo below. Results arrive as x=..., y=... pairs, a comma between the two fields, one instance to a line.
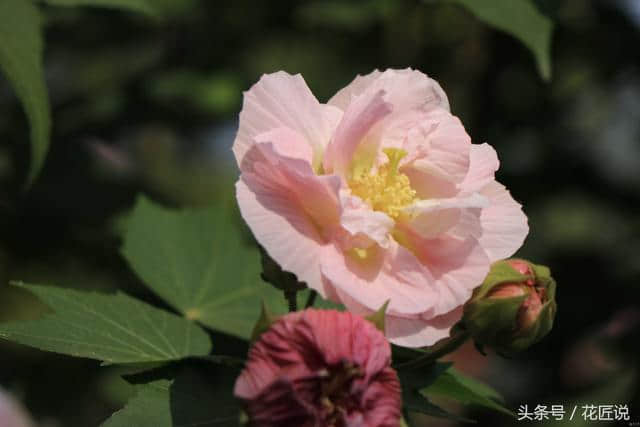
x=387, y=190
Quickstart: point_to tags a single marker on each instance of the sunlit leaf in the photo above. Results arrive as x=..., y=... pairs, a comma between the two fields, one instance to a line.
x=21, y=61
x=198, y=261
x=521, y=19
x=114, y=328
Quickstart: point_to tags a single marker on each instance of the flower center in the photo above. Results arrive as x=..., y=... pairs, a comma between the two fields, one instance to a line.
x=387, y=190
x=336, y=398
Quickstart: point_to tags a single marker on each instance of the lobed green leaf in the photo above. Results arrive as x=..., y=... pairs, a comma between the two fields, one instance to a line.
x=198, y=262
x=113, y=328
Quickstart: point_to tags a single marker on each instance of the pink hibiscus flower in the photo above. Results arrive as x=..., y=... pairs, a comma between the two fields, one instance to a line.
x=320, y=368
x=377, y=195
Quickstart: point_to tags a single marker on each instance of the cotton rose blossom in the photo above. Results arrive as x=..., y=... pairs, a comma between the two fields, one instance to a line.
x=377, y=195
x=320, y=368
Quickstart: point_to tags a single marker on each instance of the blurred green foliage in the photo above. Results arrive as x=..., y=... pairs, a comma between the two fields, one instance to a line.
x=21, y=60
x=21, y=52
x=521, y=19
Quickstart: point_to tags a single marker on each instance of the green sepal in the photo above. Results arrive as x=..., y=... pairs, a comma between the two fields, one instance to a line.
x=501, y=272
x=542, y=272
x=264, y=322
x=378, y=318
x=540, y=328
x=492, y=321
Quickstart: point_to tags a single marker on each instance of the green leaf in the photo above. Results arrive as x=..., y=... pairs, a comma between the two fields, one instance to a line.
x=21, y=61
x=189, y=400
x=453, y=385
x=144, y=6
x=414, y=380
x=522, y=20
x=114, y=328
x=198, y=262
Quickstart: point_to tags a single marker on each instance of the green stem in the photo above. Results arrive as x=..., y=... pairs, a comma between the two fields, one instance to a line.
x=311, y=299
x=439, y=350
x=292, y=300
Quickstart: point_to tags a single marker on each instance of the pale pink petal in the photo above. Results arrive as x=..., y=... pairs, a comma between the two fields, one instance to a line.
x=457, y=265
x=333, y=116
x=282, y=100
x=364, y=225
x=344, y=273
x=406, y=89
x=431, y=217
x=344, y=96
x=418, y=332
x=410, y=132
x=283, y=230
x=289, y=209
x=395, y=276
x=286, y=143
x=438, y=155
x=483, y=163
x=504, y=224
x=317, y=196
x=468, y=224
x=361, y=115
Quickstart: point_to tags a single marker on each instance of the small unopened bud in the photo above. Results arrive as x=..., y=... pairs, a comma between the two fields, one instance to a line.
x=513, y=308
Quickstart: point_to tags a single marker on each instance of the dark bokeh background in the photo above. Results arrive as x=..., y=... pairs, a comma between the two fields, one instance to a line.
x=150, y=106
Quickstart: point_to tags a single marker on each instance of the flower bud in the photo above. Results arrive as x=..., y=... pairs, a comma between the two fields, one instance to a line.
x=513, y=308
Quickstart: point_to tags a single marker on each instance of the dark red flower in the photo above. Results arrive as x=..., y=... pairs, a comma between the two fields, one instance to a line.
x=321, y=368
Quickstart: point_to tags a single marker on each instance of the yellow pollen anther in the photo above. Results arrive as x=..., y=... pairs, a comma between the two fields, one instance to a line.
x=360, y=253
x=387, y=190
